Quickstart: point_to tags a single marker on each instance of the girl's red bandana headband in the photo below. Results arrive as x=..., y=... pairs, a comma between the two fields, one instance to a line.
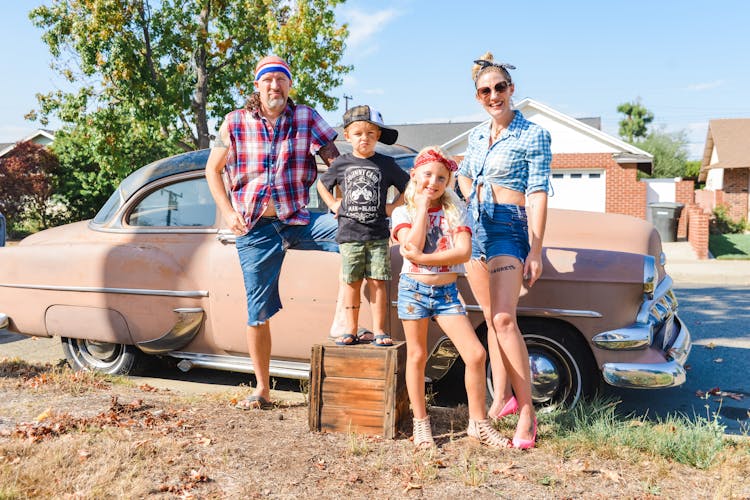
x=431, y=156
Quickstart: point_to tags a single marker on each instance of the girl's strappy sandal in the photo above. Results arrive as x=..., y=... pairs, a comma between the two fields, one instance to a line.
x=482, y=431
x=422, y=433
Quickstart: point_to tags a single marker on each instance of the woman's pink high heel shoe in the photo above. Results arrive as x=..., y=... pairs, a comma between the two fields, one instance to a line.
x=511, y=406
x=524, y=444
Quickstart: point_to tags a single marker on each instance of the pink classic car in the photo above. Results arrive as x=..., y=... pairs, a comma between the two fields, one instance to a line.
x=155, y=273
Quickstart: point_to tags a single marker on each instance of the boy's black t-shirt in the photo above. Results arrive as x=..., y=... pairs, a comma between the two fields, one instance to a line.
x=364, y=184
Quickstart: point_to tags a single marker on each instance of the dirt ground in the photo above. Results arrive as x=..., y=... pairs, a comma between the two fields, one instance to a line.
x=66, y=435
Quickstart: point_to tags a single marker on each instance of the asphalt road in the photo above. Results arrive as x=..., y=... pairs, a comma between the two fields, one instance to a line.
x=718, y=318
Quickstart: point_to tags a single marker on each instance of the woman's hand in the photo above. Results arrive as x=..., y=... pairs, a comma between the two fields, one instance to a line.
x=532, y=268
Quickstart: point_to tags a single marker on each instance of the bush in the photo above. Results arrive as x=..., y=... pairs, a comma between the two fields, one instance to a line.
x=722, y=223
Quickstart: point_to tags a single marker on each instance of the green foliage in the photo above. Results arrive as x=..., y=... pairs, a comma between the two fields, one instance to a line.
x=692, y=169
x=635, y=123
x=669, y=150
x=596, y=425
x=722, y=223
x=172, y=65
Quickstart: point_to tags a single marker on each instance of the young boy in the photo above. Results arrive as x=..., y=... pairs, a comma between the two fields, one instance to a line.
x=364, y=177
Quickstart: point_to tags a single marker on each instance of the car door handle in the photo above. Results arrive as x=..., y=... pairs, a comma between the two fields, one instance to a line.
x=226, y=237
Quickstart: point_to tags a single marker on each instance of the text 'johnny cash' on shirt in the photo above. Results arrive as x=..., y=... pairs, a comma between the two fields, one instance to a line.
x=364, y=183
x=439, y=237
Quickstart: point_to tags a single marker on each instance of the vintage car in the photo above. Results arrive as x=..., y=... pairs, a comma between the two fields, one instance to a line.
x=156, y=273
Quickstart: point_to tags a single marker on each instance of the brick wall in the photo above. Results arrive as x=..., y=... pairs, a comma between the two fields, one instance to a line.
x=735, y=192
x=625, y=195
x=685, y=194
x=697, y=229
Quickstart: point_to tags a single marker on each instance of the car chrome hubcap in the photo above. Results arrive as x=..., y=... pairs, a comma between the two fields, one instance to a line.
x=545, y=378
x=98, y=354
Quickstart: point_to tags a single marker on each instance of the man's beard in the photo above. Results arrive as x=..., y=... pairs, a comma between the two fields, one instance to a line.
x=276, y=103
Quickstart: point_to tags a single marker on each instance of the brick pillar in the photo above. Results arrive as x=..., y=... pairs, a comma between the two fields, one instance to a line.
x=684, y=192
x=697, y=230
x=735, y=192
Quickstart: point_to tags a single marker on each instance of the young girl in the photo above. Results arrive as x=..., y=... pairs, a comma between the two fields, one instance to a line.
x=435, y=242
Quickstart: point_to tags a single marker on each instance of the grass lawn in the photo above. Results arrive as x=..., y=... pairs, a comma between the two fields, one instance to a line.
x=730, y=246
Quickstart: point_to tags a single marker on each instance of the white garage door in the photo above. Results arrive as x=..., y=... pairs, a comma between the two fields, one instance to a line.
x=579, y=190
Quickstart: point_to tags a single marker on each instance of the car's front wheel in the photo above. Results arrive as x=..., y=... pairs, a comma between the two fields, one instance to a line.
x=562, y=367
x=105, y=357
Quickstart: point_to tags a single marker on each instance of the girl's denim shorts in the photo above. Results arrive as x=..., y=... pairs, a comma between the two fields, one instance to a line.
x=502, y=229
x=418, y=300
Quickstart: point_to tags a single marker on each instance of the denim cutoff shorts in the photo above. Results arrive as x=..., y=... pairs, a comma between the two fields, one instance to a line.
x=417, y=300
x=502, y=229
x=262, y=250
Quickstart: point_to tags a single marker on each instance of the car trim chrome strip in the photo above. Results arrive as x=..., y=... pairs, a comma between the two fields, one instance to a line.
x=124, y=291
x=278, y=368
x=635, y=336
x=546, y=311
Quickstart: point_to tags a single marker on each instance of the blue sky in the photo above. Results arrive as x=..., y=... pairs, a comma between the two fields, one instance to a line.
x=688, y=61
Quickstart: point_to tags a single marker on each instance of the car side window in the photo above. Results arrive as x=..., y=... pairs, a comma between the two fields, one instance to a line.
x=182, y=204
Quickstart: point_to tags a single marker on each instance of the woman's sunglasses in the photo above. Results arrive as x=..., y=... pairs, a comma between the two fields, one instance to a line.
x=499, y=88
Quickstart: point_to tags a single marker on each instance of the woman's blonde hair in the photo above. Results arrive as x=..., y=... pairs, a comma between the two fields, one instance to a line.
x=487, y=63
x=453, y=207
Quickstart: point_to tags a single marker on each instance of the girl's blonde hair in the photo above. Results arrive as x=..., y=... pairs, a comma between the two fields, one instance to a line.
x=453, y=207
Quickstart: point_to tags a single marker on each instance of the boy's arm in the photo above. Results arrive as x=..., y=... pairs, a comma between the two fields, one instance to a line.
x=390, y=207
x=332, y=202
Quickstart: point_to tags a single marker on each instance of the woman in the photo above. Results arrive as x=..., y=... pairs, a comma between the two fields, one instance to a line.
x=505, y=175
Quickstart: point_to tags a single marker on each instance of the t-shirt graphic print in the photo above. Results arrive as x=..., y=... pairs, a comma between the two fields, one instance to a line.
x=362, y=193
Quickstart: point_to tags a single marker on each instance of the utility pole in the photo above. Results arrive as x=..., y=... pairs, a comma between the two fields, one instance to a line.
x=346, y=98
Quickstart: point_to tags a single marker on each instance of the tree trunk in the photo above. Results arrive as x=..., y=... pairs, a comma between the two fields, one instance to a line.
x=201, y=85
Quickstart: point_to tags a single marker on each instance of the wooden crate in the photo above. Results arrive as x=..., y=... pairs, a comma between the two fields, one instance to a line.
x=360, y=389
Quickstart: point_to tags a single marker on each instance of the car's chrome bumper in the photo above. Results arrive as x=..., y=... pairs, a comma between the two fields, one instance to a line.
x=670, y=373
x=4, y=321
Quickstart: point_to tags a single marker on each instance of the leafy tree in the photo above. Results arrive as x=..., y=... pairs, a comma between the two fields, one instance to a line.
x=693, y=168
x=27, y=182
x=635, y=123
x=669, y=150
x=175, y=64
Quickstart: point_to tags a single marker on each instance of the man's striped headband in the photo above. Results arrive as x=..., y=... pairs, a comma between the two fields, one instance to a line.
x=272, y=64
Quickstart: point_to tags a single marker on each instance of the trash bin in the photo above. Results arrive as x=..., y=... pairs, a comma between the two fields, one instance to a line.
x=2, y=229
x=665, y=216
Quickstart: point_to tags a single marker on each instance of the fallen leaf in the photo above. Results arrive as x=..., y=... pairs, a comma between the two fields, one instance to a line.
x=612, y=475
x=719, y=360
x=44, y=415
x=412, y=486
x=505, y=469
x=710, y=345
x=83, y=455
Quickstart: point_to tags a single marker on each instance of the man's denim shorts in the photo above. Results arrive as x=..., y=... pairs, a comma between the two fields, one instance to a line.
x=366, y=259
x=262, y=252
x=418, y=300
x=502, y=229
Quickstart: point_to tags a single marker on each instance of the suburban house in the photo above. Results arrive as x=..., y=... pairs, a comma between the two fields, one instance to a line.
x=591, y=170
x=725, y=167
x=42, y=137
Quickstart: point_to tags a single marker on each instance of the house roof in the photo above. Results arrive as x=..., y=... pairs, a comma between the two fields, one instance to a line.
x=622, y=152
x=726, y=145
x=41, y=136
x=419, y=135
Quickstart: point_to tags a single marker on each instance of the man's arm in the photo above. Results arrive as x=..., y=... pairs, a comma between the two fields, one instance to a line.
x=214, y=166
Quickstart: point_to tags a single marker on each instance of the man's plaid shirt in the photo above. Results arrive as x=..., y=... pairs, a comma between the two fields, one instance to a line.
x=274, y=163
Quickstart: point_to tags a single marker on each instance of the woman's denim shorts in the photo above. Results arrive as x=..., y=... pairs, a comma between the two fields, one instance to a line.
x=502, y=229
x=418, y=300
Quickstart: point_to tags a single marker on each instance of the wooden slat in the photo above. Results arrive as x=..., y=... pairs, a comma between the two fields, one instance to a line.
x=355, y=392
x=336, y=419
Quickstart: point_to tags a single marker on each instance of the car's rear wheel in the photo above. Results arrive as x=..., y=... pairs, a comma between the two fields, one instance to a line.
x=563, y=370
x=105, y=357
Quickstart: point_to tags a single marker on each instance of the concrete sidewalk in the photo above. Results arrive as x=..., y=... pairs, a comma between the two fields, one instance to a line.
x=685, y=267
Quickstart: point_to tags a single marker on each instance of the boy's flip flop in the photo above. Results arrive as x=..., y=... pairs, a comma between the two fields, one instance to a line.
x=254, y=403
x=364, y=336
x=342, y=340
x=382, y=339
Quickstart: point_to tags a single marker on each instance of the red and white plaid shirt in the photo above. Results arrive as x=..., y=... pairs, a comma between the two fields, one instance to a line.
x=274, y=163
